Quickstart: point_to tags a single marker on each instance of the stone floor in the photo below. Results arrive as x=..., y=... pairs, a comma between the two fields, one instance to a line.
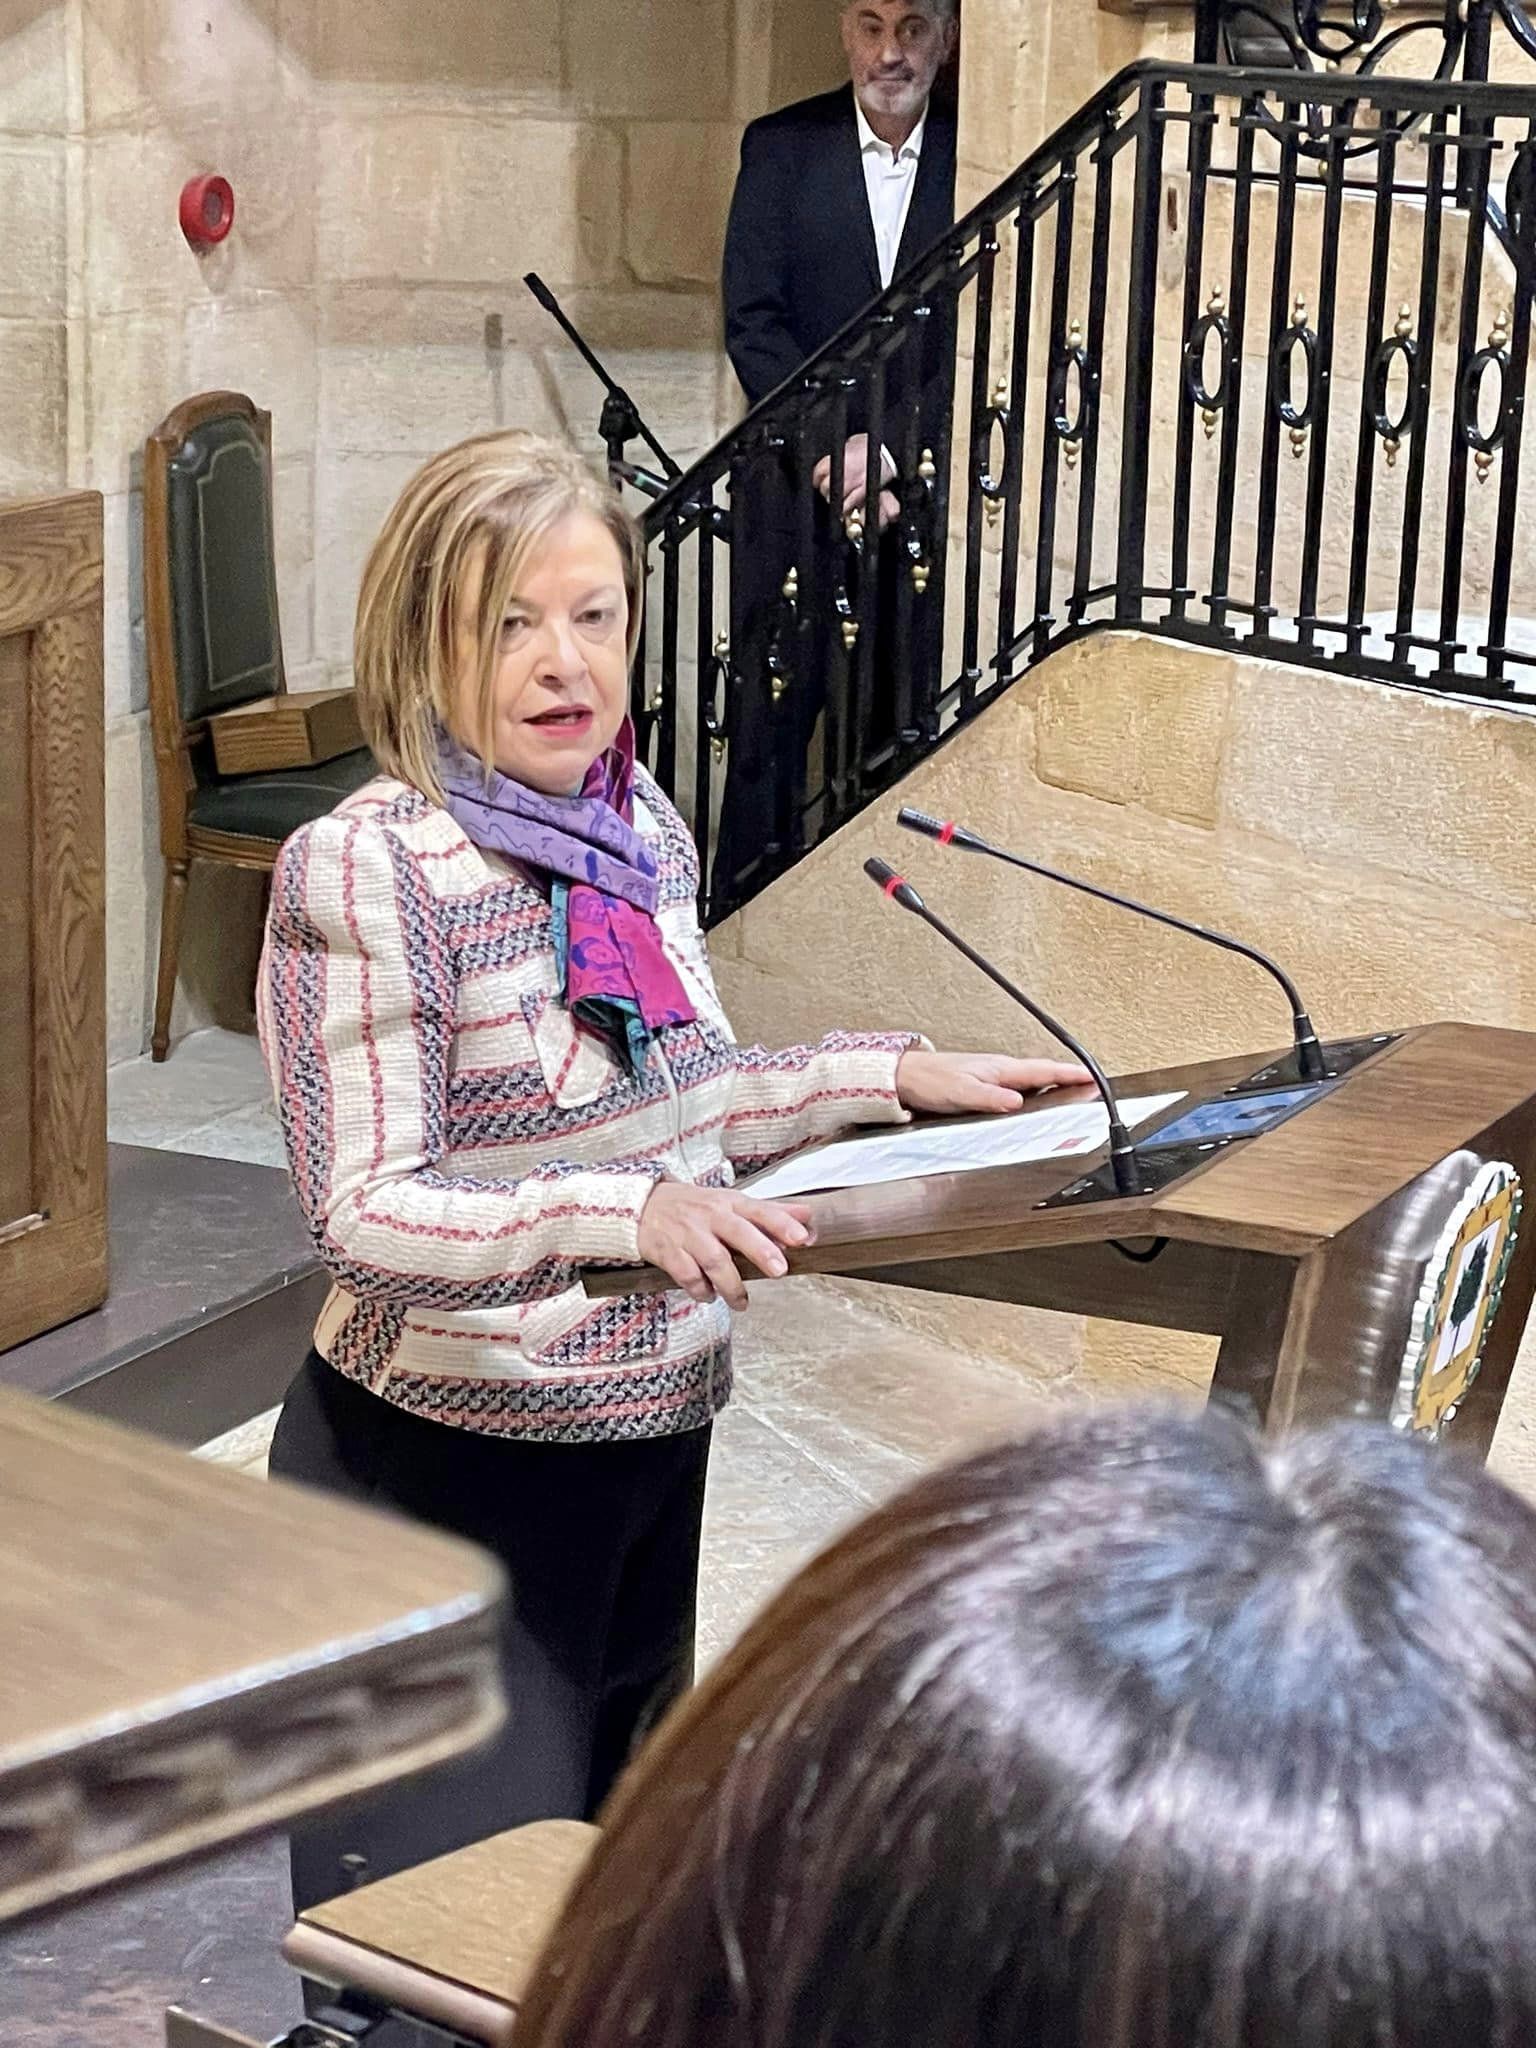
x=838, y=1405
x=210, y=1096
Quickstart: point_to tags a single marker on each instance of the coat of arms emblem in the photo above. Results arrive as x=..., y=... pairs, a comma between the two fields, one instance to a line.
x=1458, y=1301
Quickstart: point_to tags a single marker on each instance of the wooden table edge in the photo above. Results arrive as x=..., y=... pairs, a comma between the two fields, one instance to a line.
x=73, y=1880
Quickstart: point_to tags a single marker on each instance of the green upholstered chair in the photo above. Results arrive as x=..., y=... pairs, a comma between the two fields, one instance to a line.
x=213, y=640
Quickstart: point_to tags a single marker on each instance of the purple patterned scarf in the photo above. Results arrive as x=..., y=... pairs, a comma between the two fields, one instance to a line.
x=614, y=971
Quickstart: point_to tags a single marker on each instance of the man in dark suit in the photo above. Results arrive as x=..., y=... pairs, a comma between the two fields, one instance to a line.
x=835, y=196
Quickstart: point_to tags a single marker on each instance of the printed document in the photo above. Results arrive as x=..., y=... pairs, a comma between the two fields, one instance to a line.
x=917, y=1150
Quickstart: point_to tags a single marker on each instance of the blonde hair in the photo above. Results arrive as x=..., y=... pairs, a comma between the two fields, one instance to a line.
x=481, y=509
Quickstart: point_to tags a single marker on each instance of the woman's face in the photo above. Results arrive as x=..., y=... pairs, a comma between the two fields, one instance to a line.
x=560, y=687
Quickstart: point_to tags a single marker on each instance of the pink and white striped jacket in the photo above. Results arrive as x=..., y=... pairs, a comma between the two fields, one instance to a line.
x=460, y=1148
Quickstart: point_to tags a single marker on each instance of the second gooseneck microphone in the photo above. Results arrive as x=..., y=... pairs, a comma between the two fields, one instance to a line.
x=1310, y=1063
x=1124, y=1164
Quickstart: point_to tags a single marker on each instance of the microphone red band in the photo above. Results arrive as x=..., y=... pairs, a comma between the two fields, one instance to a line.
x=946, y=832
x=896, y=882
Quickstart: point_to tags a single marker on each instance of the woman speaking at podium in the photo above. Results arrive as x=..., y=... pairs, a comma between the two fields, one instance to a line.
x=499, y=1058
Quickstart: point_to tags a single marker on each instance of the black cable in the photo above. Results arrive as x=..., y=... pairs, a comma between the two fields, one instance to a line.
x=1154, y=1250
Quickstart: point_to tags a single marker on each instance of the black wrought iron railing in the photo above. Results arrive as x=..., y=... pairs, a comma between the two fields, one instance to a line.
x=1235, y=357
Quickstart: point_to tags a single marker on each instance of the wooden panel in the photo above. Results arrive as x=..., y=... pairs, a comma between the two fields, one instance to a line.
x=1180, y=1287
x=15, y=934
x=50, y=559
x=69, y=913
x=50, y=593
x=192, y=1655
x=454, y=1941
x=51, y=1268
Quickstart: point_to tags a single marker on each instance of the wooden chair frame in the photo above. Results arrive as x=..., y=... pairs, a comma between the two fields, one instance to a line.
x=182, y=842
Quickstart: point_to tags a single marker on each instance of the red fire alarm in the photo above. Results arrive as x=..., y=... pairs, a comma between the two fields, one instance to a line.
x=207, y=211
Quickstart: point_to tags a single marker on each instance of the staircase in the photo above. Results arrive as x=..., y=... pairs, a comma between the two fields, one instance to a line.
x=1236, y=358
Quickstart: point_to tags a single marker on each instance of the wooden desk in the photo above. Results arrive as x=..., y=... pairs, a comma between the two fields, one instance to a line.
x=1304, y=1249
x=191, y=1655
x=453, y=1942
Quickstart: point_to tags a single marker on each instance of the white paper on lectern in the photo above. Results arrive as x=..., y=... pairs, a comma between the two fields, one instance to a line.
x=917, y=1150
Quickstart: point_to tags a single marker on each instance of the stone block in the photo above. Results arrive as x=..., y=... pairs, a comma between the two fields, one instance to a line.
x=32, y=276
x=293, y=522
x=34, y=449
x=1134, y=721
x=1130, y=1362
x=353, y=494
x=664, y=63
x=662, y=346
x=134, y=372
x=807, y=52
x=1427, y=789
x=513, y=52
x=752, y=51
x=678, y=193
x=133, y=886
x=144, y=59
x=416, y=399
x=1513, y=1456
x=34, y=79
x=1002, y=88
x=1370, y=948
x=135, y=255
x=264, y=345
x=730, y=399
x=126, y=675
x=430, y=197
x=410, y=373
x=1086, y=45
x=766, y=1006
x=1368, y=952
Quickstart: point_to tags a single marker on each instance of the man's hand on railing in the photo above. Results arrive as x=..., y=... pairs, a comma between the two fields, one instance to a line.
x=856, y=478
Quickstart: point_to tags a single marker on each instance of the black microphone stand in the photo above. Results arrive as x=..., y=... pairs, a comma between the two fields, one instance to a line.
x=1124, y=1161
x=1311, y=1065
x=620, y=421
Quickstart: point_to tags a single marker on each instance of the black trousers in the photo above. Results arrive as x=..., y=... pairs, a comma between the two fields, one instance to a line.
x=601, y=1544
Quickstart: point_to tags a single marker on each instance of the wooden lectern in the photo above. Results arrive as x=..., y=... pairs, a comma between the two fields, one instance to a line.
x=1364, y=1256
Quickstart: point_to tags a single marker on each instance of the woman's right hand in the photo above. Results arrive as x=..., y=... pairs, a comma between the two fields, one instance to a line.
x=693, y=1233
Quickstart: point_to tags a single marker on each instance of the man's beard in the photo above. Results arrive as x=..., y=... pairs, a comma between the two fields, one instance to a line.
x=895, y=95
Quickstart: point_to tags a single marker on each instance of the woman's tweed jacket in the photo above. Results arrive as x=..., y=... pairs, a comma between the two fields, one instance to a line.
x=461, y=1149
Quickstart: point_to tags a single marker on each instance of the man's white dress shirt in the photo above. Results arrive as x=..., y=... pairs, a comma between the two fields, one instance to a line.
x=889, y=175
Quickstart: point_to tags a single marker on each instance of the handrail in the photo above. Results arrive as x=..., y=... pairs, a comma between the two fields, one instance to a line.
x=1415, y=96
x=1291, y=424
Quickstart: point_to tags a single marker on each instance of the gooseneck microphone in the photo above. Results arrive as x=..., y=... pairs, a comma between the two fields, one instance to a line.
x=1309, y=1054
x=1123, y=1161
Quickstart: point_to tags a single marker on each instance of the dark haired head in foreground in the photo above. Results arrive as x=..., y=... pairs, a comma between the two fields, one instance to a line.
x=1138, y=1734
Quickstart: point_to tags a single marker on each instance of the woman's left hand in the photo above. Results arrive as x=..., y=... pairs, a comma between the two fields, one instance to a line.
x=975, y=1083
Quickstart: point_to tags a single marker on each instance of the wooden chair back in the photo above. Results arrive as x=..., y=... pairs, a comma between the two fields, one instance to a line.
x=211, y=623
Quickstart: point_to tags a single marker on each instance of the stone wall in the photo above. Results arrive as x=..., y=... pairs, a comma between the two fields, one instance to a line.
x=1372, y=839
x=1025, y=65
x=397, y=169
x=592, y=144
x=34, y=280
x=167, y=90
